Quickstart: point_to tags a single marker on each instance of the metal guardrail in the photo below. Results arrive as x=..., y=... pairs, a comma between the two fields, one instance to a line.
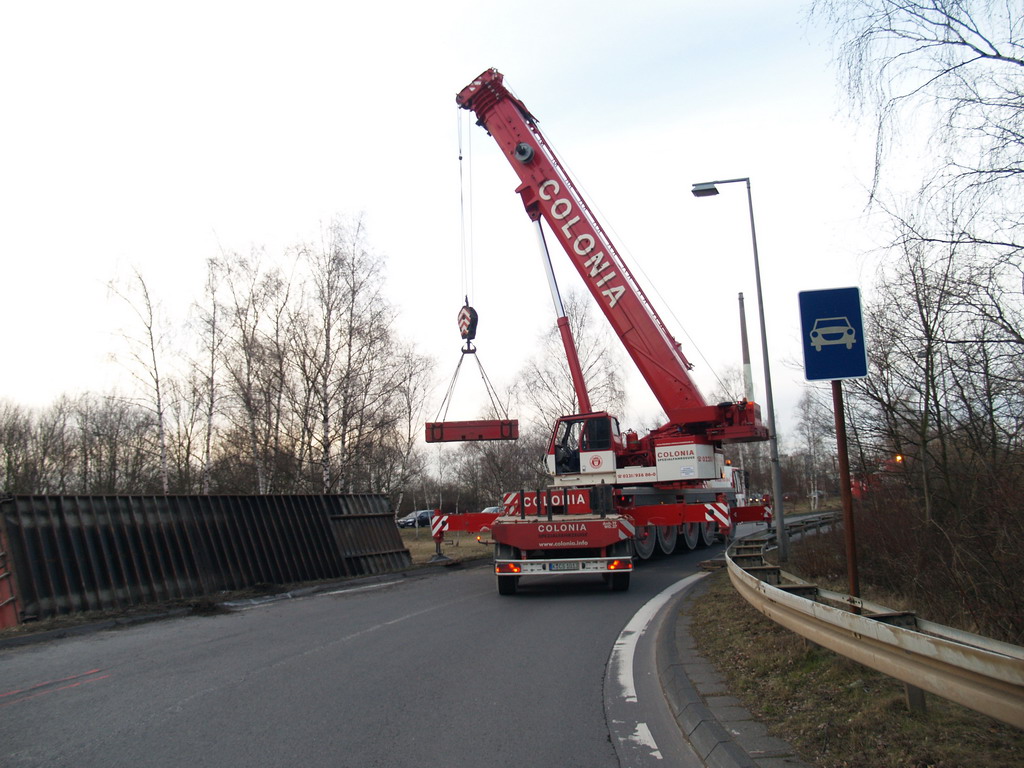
x=982, y=674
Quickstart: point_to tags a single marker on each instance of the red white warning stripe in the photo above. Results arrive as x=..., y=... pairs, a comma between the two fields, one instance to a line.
x=626, y=529
x=718, y=513
x=438, y=525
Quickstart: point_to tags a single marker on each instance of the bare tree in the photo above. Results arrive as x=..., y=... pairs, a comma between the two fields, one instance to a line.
x=814, y=426
x=947, y=324
x=545, y=384
x=145, y=349
x=16, y=435
x=753, y=458
x=207, y=325
x=254, y=359
x=960, y=60
x=731, y=386
x=293, y=380
x=487, y=470
x=115, y=438
x=81, y=445
x=184, y=428
x=945, y=395
x=413, y=386
x=346, y=358
x=946, y=388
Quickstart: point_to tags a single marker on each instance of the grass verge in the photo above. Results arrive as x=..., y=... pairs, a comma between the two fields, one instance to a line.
x=833, y=711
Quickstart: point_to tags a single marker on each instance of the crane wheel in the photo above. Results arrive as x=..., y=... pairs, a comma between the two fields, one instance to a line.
x=705, y=534
x=668, y=538
x=690, y=535
x=645, y=541
x=506, y=584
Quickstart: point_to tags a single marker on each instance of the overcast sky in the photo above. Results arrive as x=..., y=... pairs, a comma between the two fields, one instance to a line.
x=152, y=136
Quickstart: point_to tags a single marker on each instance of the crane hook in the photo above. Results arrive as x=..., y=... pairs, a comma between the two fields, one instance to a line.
x=468, y=319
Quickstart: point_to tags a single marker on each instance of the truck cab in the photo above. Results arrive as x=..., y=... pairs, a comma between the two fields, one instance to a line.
x=583, y=449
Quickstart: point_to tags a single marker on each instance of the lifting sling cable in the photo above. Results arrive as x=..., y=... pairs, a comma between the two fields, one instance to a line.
x=467, y=325
x=502, y=428
x=480, y=429
x=465, y=222
x=469, y=349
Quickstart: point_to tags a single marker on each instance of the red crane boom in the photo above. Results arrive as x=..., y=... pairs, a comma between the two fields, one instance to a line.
x=547, y=192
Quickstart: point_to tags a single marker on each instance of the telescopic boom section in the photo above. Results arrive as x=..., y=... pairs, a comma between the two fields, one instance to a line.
x=547, y=192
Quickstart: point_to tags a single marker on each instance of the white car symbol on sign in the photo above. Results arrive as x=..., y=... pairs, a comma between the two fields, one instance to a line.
x=832, y=330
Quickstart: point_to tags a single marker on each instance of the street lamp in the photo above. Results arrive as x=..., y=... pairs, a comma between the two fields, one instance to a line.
x=709, y=189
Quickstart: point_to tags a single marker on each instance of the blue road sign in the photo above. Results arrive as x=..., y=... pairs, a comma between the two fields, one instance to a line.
x=833, y=334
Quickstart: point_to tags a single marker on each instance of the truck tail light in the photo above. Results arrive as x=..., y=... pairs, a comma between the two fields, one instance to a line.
x=620, y=565
x=507, y=568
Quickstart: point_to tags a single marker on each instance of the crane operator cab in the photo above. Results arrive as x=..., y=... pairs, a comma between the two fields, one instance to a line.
x=583, y=449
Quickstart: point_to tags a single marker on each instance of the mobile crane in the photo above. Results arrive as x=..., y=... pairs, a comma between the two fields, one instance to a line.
x=614, y=495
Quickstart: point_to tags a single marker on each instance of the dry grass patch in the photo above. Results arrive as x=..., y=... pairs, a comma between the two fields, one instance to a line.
x=458, y=546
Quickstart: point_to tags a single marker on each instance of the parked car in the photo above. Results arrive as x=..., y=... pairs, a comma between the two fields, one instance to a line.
x=418, y=519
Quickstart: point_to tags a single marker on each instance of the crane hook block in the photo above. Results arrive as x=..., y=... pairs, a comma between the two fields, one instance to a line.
x=463, y=431
x=467, y=322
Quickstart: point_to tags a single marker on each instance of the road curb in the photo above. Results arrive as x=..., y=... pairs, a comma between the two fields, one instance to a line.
x=720, y=730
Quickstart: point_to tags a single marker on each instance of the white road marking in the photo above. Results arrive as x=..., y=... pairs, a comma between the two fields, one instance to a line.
x=621, y=660
x=620, y=663
x=263, y=602
x=359, y=589
x=642, y=737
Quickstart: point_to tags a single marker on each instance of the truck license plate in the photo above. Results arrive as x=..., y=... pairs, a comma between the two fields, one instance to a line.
x=571, y=566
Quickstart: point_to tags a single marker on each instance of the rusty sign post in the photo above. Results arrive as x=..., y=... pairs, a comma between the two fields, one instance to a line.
x=832, y=331
x=845, y=492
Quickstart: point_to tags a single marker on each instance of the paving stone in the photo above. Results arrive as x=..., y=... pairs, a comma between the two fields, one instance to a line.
x=781, y=762
x=745, y=729
x=712, y=688
x=699, y=667
x=764, y=746
x=728, y=715
x=703, y=675
x=722, y=701
x=728, y=755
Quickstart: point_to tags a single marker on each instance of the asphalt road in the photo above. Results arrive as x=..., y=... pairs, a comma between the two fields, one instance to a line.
x=429, y=669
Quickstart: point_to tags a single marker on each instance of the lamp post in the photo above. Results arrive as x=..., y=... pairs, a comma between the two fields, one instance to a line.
x=708, y=189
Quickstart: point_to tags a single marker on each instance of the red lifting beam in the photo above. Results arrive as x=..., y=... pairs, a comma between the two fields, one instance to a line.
x=481, y=429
